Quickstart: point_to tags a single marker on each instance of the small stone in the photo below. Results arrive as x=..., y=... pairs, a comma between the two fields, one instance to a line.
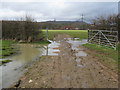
x=44, y=81
x=18, y=83
x=36, y=83
x=101, y=70
x=30, y=81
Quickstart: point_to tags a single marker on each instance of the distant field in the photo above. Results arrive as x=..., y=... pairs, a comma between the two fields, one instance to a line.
x=82, y=34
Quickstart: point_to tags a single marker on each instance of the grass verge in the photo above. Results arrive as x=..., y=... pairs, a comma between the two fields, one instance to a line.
x=105, y=55
x=6, y=48
x=82, y=34
x=5, y=61
x=102, y=50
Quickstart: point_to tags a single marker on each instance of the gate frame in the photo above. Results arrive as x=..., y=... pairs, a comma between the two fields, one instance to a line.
x=100, y=33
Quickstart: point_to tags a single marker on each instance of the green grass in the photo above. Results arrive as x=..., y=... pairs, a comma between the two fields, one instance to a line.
x=5, y=61
x=82, y=34
x=103, y=51
x=6, y=48
x=105, y=55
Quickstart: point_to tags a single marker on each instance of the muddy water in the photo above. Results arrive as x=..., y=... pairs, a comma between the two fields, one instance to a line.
x=76, y=43
x=29, y=53
x=13, y=70
x=79, y=53
x=52, y=49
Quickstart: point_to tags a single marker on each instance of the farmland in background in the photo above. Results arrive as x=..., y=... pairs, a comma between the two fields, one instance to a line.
x=82, y=34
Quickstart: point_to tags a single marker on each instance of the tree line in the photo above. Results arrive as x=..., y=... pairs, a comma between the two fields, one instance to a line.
x=63, y=25
x=112, y=22
x=106, y=23
x=26, y=30
x=29, y=30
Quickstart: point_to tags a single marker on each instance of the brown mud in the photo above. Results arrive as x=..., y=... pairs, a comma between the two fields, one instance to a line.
x=69, y=70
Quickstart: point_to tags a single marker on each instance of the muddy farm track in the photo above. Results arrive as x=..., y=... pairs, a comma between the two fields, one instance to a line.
x=69, y=70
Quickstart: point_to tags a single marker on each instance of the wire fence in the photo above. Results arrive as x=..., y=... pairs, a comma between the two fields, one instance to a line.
x=103, y=37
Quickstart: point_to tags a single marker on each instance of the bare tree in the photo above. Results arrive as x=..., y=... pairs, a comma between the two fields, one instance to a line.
x=109, y=23
x=26, y=30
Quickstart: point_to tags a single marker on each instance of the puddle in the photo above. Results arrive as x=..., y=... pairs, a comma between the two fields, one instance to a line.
x=79, y=63
x=31, y=52
x=81, y=53
x=12, y=71
x=76, y=43
x=76, y=38
x=78, y=60
x=52, y=49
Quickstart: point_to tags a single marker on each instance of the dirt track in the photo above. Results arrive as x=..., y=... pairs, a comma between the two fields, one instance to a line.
x=69, y=71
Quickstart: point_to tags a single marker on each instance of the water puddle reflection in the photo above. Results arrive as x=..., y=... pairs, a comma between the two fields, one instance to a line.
x=12, y=71
x=29, y=53
x=52, y=49
x=76, y=43
x=79, y=64
x=81, y=53
x=78, y=60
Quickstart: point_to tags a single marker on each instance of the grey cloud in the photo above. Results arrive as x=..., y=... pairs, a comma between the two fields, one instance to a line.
x=47, y=11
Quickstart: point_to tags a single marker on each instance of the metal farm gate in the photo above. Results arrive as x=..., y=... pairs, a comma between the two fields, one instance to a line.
x=103, y=37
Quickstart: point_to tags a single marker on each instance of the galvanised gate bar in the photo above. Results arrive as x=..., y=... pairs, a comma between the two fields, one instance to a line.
x=103, y=37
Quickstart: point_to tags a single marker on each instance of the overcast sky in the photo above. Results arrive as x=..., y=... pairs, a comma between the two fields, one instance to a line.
x=44, y=10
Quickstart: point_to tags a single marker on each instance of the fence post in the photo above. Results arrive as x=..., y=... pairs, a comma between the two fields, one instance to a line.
x=47, y=33
x=88, y=36
x=116, y=40
x=100, y=37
